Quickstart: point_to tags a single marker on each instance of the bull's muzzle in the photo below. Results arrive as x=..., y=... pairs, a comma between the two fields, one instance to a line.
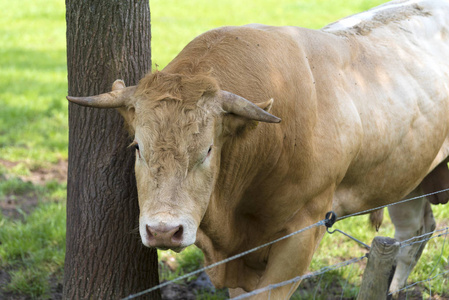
x=163, y=231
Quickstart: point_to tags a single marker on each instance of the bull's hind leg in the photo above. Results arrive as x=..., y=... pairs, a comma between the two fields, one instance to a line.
x=410, y=219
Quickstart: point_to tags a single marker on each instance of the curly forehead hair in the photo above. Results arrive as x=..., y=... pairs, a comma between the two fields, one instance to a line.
x=170, y=107
x=185, y=88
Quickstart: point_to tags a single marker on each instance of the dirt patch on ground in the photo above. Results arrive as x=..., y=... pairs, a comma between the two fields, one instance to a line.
x=41, y=175
x=177, y=291
x=56, y=288
x=17, y=206
x=57, y=172
x=4, y=280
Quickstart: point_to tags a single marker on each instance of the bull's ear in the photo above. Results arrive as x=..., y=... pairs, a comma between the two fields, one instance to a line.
x=267, y=105
x=239, y=106
x=118, y=85
x=243, y=115
x=128, y=114
x=128, y=111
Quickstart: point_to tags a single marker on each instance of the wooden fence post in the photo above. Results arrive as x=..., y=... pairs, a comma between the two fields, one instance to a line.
x=379, y=270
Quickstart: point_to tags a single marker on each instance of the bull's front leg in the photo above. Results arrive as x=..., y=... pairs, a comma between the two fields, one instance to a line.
x=288, y=259
x=291, y=257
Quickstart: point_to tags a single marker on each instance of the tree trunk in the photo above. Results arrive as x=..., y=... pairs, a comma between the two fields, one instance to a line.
x=105, y=259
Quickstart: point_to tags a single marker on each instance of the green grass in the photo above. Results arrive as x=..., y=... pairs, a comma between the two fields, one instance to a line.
x=33, y=135
x=33, y=249
x=33, y=114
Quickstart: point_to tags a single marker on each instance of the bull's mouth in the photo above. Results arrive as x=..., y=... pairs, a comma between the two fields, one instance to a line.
x=175, y=249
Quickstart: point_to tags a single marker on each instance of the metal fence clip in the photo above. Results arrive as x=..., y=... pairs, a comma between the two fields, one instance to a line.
x=330, y=219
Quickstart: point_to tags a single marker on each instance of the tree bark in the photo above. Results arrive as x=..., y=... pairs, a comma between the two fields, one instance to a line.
x=105, y=259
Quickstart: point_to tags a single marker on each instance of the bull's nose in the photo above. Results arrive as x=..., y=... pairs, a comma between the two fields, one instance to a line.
x=165, y=236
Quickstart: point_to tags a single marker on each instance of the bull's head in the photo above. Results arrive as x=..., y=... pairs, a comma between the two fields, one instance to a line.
x=178, y=123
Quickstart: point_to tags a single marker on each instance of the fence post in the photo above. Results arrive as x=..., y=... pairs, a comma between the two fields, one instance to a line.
x=379, y=269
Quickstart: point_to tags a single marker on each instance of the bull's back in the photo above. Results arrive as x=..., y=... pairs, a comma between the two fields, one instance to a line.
x=403, y=104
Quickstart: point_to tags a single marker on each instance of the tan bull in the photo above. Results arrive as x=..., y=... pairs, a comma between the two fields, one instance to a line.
x=364, y=104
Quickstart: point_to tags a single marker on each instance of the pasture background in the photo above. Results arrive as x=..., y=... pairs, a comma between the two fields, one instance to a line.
x=34, y=139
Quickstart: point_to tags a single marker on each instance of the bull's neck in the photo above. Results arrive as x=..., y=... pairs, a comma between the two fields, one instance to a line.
x=246, y=163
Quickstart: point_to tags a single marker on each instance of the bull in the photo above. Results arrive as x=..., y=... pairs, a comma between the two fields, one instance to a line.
x=364, y=104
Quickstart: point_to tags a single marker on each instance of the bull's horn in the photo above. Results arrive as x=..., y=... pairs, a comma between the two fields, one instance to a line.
x=117, y=98
x=237, y=105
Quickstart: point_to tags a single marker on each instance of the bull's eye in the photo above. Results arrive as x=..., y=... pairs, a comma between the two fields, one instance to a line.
x=136, y=146
x=205, y=156
x=208, y=154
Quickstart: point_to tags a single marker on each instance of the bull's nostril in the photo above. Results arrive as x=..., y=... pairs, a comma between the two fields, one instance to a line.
x=164, y=236
x=149, y=233
x=178, y=234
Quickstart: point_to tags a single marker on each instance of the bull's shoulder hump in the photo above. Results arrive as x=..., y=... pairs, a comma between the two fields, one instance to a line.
x=255, y=31
x=394, y=12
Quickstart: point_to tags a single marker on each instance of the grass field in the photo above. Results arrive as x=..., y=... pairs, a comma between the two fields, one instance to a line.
x=34, y=138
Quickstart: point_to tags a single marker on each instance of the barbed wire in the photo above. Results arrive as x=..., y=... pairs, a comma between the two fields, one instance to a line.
x=435, y=265
x=319, y=223
x=346, y=263
x=299, y=278
x=391, y=204
x=418, y=282
x=439, y=260
x=445, y=229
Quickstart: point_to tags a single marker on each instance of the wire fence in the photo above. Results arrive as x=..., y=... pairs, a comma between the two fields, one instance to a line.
x=416, y=239
x=443, y=232
x=320, y=223
x=299, y=278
